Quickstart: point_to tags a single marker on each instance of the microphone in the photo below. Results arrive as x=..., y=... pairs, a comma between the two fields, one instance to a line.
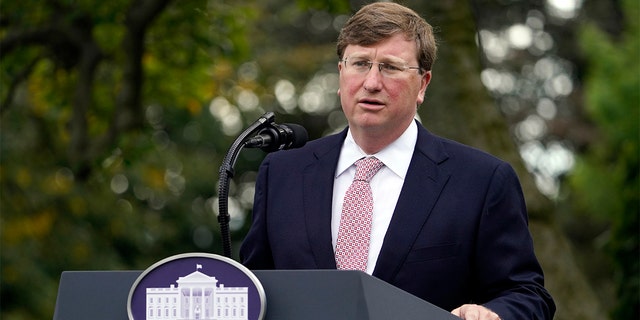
x=276, y=137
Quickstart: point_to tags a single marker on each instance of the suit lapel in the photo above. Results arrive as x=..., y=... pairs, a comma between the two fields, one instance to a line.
x=421, y=189
x=318, y=195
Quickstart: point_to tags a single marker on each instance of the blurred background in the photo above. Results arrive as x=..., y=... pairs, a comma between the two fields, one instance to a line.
x=116, y=115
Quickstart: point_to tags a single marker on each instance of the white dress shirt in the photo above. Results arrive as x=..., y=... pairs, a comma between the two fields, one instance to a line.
x=385, y=185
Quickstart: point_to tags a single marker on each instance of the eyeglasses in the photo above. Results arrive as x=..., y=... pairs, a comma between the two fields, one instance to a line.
x=389, y=70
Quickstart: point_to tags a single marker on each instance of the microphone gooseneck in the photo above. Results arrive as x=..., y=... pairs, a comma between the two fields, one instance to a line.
x=226, y=173
x=270, y=137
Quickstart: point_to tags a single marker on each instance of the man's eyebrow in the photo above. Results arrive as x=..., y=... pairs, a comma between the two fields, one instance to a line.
x=359, y=55
x=383, y=59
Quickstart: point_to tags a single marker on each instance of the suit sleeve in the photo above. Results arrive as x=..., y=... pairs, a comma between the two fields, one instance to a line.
x=510, y=279
x=255, y=252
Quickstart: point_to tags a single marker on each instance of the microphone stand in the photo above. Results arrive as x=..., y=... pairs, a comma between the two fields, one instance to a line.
x=226, y=173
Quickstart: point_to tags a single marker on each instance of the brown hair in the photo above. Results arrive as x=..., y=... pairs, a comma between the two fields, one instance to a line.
x=378, y=21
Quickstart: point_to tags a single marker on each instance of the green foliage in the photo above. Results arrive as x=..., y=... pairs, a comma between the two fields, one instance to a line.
x=332, y=6
x=606, y=180
x=210, y=68
x=147, y=195
x=150, y=192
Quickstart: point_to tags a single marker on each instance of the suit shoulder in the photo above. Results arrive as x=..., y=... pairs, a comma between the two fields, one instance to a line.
x=459, y=152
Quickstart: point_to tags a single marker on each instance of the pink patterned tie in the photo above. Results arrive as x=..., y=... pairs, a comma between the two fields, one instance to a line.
x=352, y=248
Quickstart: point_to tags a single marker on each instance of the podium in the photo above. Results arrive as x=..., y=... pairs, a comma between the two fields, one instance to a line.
x=295, y=294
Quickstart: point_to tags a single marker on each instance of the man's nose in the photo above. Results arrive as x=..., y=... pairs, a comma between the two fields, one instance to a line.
x=373, y=78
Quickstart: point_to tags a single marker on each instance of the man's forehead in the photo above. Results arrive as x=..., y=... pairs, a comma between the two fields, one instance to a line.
x=393, y=53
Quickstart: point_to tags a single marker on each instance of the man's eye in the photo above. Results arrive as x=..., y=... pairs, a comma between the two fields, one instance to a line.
x=391, y=67
x=360, y=64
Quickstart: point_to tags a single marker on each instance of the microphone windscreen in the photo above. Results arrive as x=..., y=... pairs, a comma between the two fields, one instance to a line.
x=300, y=135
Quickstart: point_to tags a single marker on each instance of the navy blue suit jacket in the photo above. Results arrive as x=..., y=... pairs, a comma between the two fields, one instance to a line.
x=459, y=233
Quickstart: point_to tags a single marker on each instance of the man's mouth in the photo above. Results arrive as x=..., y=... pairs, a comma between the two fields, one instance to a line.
x=372, y=102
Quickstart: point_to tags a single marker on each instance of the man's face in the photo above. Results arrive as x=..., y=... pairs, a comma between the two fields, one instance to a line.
x=376, y=104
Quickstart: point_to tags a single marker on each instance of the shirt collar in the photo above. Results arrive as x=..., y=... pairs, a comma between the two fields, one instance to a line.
x=396, y=156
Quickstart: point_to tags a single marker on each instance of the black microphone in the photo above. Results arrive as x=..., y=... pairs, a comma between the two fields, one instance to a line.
x=276, y=137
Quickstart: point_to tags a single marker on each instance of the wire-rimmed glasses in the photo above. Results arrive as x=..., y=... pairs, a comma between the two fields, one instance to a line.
x=387, y=69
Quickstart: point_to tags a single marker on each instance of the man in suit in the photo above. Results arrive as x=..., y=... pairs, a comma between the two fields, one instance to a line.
x=445, y=222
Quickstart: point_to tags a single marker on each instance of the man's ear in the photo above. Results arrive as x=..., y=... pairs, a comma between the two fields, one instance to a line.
x=426, y=78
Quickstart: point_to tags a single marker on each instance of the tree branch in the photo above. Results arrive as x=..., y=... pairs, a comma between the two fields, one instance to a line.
x=129, y=112
x=15, y=82
x=20, y=38
x=139, y=17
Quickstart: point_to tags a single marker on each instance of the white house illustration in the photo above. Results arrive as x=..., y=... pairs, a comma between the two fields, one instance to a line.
x=197, y=296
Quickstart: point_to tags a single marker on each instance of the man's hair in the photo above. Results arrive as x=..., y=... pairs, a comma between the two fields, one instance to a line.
x=379, y=21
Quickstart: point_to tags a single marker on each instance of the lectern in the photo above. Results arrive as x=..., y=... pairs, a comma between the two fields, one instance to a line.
x=299, y=294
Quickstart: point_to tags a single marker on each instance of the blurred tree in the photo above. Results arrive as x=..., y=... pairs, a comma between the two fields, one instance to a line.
x=605, y=184
x=116, y=115
x=102, y=123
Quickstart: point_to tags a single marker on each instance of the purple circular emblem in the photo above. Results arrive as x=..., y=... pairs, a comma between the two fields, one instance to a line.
x=197, y=286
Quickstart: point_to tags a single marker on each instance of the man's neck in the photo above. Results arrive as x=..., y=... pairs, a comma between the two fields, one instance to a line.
x=372, y=141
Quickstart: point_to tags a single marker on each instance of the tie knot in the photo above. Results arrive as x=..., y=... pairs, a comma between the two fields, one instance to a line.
x=366, y=168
